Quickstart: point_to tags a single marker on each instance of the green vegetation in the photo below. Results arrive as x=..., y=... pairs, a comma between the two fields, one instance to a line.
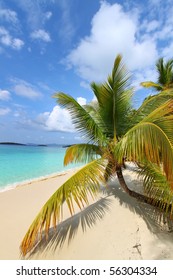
x=165, y=76
x=116, y=134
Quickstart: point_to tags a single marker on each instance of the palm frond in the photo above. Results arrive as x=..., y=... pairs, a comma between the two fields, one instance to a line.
x=147, y=141
x=92, y=107
x=109, y=170
x=163, y=118
x=150, y=84
x=165, y=72
x=166, y=124
x=118, y=81
x=82, y=153
x=165, y=76
x=150, y=104
x=114, y=98
x=163, y=110
x=74, y=191
x=82, y=119
x=156, y=185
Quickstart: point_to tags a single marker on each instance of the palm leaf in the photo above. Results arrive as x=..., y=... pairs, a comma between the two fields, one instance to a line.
x=165, y=76
x=148, y=140
x=150, y=104
x=165, y=72
x=82, y=119
x=74, y=191
x=163, y=118
x=166, y=124
x=160, y=112
x=156, y=185
x=150, y=84
x=114, y=98
x=82, y=153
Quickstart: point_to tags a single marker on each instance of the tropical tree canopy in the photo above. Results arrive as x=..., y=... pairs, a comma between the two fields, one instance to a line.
x=115, y=134
x=165, y=76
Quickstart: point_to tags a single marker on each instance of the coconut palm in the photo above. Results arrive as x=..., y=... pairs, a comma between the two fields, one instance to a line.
x=165, y=76
x=115, y=134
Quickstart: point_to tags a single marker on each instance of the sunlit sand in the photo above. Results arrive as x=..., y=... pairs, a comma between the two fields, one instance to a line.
x=114, y=226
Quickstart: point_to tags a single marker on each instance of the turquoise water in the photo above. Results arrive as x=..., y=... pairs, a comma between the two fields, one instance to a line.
x=23, y=163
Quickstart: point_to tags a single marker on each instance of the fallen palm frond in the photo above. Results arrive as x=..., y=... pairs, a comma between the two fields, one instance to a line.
x=74, y=191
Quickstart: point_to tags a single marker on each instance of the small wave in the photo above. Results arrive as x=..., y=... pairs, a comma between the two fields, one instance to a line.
x=32, y=180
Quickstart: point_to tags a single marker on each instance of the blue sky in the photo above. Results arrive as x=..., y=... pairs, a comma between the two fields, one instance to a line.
x=64, y=45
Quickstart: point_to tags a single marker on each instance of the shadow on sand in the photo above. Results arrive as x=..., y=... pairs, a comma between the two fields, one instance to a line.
x=156, y=221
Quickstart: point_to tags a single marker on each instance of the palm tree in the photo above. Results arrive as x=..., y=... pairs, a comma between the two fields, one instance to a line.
x=115, y=134
x=165, y=76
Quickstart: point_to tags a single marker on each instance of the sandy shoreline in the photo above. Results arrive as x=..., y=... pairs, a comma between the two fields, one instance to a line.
x=112, y=227
x=38, y=179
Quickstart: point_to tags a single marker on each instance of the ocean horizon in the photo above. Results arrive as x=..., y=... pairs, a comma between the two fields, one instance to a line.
x=23, y=163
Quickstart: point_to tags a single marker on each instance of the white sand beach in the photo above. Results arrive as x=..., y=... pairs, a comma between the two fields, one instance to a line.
x=114, y=226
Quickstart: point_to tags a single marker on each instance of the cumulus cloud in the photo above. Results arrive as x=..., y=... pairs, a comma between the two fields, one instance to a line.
x=57, y=120
x=17, y=43
x=41, y=34
x=4, y=95
x=81, y=100
x=9, y=16
x=9, y=41
x=113, y=31
x=5, y=37
x=4, y=111
x=149, y=26
x=25, y=89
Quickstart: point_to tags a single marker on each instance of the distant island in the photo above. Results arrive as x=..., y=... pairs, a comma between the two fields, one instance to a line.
x=41, y=145
x=35, y=145
x=12, y=143
x=20, y=144
x=67, y=146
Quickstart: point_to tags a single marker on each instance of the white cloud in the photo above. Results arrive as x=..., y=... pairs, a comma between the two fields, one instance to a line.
x=149, y=74
x=3, y=31
x=167, y=51
x=7, y=40
x=4, y=95
x=17, y=114
x=48, y=15
x=67, y=30
x=85, y=85
x=25, y=89
x=57, y=120
x=82, y=101
x=149, y=26
x=8, y=15
x=35, y=13
x=41, y=34
x=17, y=43
x=113, y=31
x=4, y=111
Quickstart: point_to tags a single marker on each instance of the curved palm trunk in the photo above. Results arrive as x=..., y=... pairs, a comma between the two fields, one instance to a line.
x=139, y=196
x=124, y=186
